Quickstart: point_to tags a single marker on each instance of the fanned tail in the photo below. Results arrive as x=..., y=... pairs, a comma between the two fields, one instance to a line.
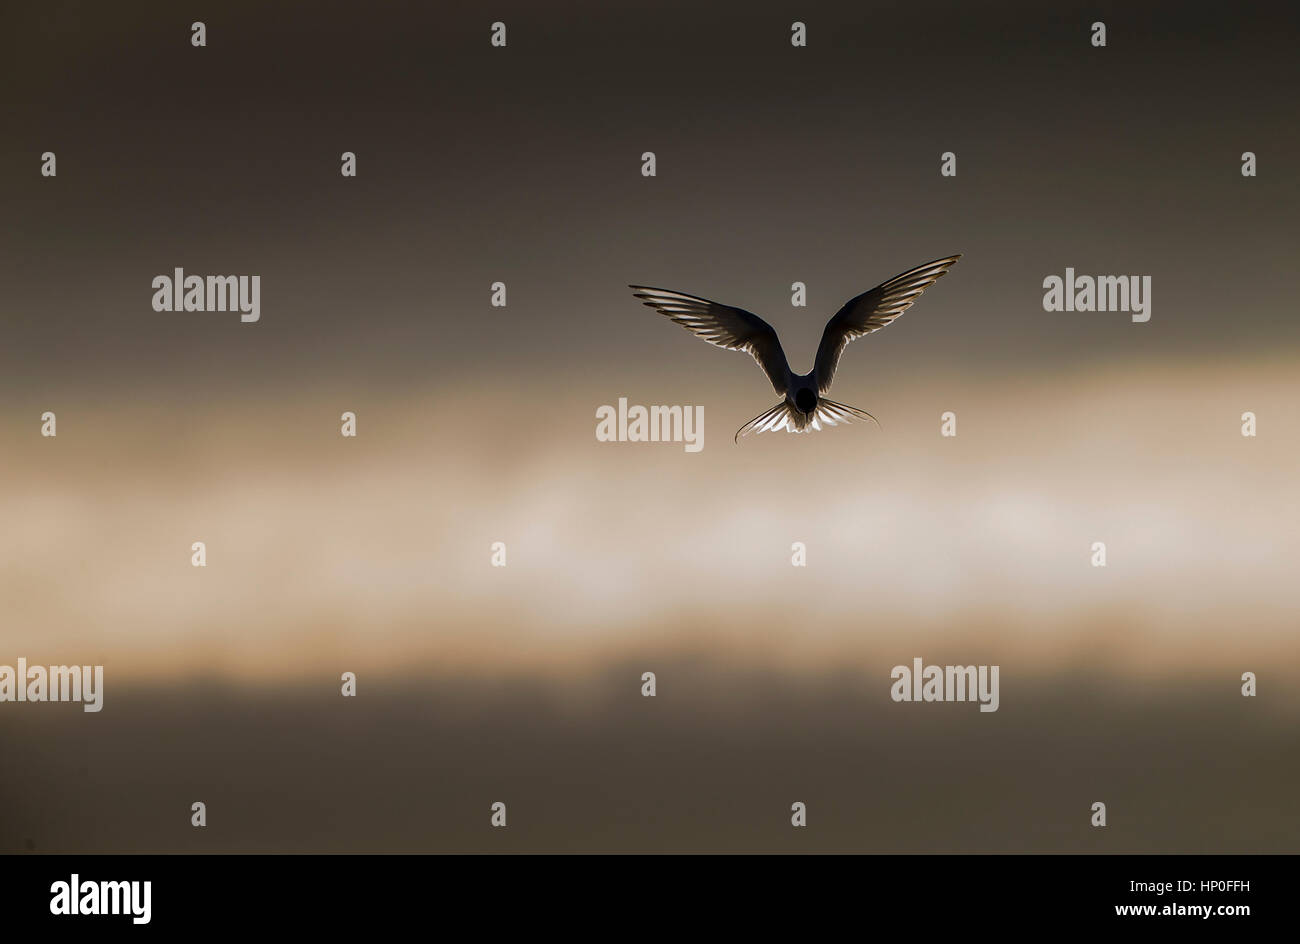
x=782, y=417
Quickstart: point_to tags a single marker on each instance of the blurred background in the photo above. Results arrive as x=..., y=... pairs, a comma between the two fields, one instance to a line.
x=476, y=424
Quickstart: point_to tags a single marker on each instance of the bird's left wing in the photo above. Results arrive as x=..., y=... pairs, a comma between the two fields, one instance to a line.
x=732, y=328
x=871, y=311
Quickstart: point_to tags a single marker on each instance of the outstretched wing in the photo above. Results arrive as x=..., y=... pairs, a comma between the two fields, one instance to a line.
x=871, y=311
x=732, y=328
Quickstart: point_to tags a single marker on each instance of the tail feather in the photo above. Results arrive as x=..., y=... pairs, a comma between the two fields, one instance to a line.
x=833, y=413
x=767, y=421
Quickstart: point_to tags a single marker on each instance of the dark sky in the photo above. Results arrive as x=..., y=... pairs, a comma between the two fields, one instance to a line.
x=522, y=164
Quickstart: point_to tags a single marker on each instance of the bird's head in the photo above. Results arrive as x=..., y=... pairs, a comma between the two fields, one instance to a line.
x=805, y=399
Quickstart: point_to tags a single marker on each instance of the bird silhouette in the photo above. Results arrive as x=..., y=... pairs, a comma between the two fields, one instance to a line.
x=804, y=406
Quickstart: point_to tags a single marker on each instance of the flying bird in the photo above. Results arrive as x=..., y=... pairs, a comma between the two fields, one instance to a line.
x=804, y=406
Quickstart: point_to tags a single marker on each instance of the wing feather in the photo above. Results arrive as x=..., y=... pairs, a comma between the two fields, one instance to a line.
x=871, y=311
x=723, y=325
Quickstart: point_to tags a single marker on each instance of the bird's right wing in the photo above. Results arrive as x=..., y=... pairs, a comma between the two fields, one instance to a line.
x=732, y=328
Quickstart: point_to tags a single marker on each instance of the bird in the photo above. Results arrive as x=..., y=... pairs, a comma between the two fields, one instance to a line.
x=804, y=406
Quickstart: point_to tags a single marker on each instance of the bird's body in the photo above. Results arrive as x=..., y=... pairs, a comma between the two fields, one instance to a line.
x=804, y=406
